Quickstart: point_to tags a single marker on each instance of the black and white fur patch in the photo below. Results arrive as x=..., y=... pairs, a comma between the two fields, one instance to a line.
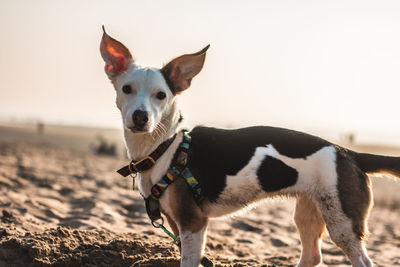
x=217, y=154
x=237, y=168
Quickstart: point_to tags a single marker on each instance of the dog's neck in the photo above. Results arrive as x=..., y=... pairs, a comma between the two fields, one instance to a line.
x=141, y=145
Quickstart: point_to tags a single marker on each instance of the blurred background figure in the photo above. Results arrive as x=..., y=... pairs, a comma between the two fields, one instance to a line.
x=40, y=127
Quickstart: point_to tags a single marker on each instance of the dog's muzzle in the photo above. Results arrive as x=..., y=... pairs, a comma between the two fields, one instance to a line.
x=140, y=119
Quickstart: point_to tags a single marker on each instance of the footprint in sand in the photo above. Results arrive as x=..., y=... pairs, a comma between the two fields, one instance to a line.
x=277, y=242
x=246, y=227
x=244, y=241
x=65, y=191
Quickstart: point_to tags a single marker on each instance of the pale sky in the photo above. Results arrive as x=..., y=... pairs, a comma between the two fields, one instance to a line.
x=326, y=67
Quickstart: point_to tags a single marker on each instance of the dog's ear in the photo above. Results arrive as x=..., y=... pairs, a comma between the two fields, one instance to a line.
x=115, y=54
x=179, y=72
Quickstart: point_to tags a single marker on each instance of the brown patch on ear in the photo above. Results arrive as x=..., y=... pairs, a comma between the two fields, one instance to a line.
x=180, y=71
x=185, y=211
x=116, y=56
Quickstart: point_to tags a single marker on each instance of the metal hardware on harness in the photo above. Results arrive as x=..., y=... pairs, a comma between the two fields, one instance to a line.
x=160, y=225
x=133, y=173
x=157, y=224
x=206, y=262
x=148, y=161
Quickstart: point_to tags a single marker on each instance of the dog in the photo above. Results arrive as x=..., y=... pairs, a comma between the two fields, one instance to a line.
x=238, y=167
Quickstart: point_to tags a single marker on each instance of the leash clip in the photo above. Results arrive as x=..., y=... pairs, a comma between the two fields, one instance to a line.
x=156, y=224
x=132, y=171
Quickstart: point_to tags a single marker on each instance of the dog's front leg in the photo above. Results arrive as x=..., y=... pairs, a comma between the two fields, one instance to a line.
x=192, y=246
x=190, y=221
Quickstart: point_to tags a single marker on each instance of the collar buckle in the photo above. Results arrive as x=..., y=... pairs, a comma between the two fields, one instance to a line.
x=148, y=162
x=142, y=165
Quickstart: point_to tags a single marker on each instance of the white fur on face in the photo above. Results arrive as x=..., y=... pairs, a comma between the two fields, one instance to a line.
x=145, y=83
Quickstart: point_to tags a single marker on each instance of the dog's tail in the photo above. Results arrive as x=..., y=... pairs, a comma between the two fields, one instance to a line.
x=371, y=163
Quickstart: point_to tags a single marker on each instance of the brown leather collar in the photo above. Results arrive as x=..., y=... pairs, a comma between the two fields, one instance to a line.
x=147, y=162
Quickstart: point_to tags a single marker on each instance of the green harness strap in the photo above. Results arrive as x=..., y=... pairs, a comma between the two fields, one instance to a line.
x=177, y=169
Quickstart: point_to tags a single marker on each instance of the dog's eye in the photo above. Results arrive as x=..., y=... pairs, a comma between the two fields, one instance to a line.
x=127, y=89
x=161, y=95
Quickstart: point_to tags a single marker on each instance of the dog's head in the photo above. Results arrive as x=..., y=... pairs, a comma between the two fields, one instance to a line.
x=145, y=95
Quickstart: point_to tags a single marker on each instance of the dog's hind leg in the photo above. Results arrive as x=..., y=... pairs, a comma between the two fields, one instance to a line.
x=341, y=231
x=346, y=209
x=344, y=237
x=311, y=226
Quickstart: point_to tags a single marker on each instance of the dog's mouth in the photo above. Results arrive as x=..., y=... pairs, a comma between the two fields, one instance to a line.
x=138, y=129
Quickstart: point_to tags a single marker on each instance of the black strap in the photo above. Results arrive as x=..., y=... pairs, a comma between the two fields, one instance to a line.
x=147, y=162
x=153, y=208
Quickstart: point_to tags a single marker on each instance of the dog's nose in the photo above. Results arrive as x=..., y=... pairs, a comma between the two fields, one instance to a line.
x=140, y=118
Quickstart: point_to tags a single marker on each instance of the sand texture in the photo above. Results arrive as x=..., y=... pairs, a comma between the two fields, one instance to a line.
x=64, y=207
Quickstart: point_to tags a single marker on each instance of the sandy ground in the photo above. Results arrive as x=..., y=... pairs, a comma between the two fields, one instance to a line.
x=63, y=207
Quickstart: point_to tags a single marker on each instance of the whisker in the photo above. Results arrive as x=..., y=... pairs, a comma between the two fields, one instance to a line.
x=162, y=126
x=152, y=137
x=163, y=129
x=157, y=131
x=158, y=126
